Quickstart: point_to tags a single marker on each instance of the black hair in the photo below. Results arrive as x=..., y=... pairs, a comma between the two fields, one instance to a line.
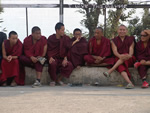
x=35, y=28
x=100, y=28
x=3, y=35
x=77, y=29
x=12, y=33
x=58, y=26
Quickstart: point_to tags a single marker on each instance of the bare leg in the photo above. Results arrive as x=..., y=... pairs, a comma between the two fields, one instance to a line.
x=147, y=63
x=119, y=62
x=125, y=76
x=38, y=75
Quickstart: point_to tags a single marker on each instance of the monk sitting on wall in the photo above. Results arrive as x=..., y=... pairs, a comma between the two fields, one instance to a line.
x=143, y=56
x=99, y=50
x=35, y=48
x=12, y=49
x=78, y=50
x=123, y=49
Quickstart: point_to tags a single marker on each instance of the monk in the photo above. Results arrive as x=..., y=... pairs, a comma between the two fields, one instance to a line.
x=143, y=56
x=123, y=49
x=2, y=38
x=78, y=49
x=35, y=48
x=58, y=47
x=12, y=49
x=99, y=50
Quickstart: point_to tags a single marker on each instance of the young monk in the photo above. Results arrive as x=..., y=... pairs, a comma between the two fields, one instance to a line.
x=12, y=49
x=143, y=56
x=2, y=38
x=58, y=46
x=123, y=49
x=35, y=48
x=99, y=50
x=78, y=49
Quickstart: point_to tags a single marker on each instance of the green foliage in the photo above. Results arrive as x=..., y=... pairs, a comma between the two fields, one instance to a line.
x=91, y=15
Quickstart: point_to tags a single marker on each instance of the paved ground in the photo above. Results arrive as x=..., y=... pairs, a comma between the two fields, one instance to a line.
x=66, y=99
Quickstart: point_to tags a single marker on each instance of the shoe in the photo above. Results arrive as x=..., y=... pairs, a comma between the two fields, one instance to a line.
x=137, y=64
x=36, y=84
x=145, y=84
x=129, y=86
x=42, y=60
x=106, y=74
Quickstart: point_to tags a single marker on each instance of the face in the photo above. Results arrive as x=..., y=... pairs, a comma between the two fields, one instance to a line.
x=144, y=37
x=77, y=34
x=36, y=35
x=98, y=34
x=13, y=39
x=122, y=31
x=61, y=31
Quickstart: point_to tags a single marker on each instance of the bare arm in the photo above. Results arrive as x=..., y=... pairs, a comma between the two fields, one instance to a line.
x=45, y=50
x=131, y=49
x=4, y=51
x=114, y=48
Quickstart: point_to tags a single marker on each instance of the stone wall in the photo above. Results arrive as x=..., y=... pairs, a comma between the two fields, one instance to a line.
x=86, y=75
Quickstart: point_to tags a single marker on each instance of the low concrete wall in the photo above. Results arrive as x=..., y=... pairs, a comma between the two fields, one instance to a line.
x=86, y=75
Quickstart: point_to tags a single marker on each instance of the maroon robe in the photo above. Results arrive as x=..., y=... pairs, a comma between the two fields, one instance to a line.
x=142, y=53
x=102, y=50
x=123, y=48
x=58, y=49
x=31, y=49
x=77, y=52
x=11, y=69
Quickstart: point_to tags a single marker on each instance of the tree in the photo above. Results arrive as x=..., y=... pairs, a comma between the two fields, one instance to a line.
x=91, y=15
x=136, y=25
x=115, y=16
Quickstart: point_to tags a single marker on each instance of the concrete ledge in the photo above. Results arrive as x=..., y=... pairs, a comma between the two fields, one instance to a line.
x=86, y=75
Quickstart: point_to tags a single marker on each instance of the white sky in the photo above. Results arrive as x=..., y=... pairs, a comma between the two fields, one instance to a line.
x=45, y=18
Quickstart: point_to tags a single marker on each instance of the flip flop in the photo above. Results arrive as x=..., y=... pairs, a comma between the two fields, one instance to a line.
x=52, y=83
x=106, y=74
x=129, y=86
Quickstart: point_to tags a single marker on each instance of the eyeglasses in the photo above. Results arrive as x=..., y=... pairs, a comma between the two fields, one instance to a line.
x=144, y=35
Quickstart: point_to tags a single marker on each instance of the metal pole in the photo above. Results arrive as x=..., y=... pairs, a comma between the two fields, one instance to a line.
x=27, y=20
x=61, y=16
x=105, y=22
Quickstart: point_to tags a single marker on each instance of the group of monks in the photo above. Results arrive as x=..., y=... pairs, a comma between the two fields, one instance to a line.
x=63, y=54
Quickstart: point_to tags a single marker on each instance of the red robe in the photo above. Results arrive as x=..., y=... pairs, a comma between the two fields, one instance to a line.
x=11, y=69
x=58, y=49
x=123, y=48
x=36, y=49
x=143, y=53
x=77, y=52
x=31, y=49
x=102, y=50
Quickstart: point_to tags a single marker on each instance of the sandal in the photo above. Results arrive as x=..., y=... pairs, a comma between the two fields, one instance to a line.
x=129, y=86
x=52, y=83
x=60, y=83
x=13, y=84
x=106, y=74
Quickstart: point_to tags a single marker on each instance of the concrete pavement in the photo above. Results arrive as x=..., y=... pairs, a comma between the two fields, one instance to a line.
x=66, y=99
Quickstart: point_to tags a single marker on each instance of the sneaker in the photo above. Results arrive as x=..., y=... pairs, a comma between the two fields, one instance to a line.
x=145, y=84
x=137, y=64
x=42, y=60
x=36, y=84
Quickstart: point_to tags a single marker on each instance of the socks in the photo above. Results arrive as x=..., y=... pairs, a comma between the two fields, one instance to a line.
x=144, y=79
x=38, y=80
